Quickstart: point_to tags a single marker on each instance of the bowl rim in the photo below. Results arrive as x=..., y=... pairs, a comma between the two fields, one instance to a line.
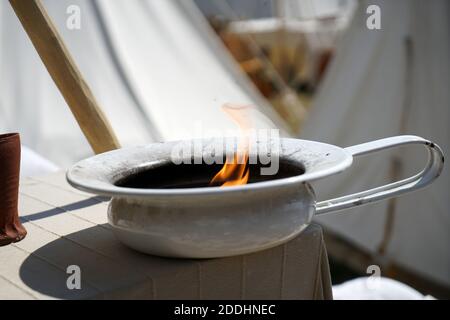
x=94, y=176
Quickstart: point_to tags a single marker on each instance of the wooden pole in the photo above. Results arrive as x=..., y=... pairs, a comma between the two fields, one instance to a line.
x=65, y=74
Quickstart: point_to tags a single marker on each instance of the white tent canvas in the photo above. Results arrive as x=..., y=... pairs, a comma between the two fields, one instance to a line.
x=156, y=68
x=383, y=83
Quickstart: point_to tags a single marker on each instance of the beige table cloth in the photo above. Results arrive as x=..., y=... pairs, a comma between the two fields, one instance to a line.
x=67, y=227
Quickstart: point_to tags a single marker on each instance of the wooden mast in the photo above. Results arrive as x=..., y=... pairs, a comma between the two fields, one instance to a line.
x=65, y=74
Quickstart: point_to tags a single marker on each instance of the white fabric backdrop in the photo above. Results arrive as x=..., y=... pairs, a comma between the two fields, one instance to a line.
x=366, y=91
x=155, y=67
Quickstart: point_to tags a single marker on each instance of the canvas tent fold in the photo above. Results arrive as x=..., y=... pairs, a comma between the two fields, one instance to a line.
x=155, y=68
x=31, y=104
x=159, y=72
x=382, y=83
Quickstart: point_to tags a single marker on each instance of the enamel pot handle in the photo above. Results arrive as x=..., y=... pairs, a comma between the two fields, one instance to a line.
x=431, y=171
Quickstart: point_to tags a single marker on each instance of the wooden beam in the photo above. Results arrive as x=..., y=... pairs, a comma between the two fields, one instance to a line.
x=65, y=74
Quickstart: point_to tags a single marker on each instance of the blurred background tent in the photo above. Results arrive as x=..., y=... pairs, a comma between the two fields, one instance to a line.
x=160, y=72
x=384, y=83
x=156, y=68
x=379, y=83
x=284, y=46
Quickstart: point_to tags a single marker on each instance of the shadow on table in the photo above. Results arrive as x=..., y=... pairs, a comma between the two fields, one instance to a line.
x=108, y=268
x=59, y=210
x=46, y=269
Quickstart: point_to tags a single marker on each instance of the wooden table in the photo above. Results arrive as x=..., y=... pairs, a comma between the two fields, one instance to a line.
x=69, y=227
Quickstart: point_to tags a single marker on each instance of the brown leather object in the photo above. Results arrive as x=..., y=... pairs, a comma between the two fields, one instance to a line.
x=11, y=230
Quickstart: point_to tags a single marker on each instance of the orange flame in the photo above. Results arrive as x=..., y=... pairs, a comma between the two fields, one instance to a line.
x=235, y=171
x=232, y=173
